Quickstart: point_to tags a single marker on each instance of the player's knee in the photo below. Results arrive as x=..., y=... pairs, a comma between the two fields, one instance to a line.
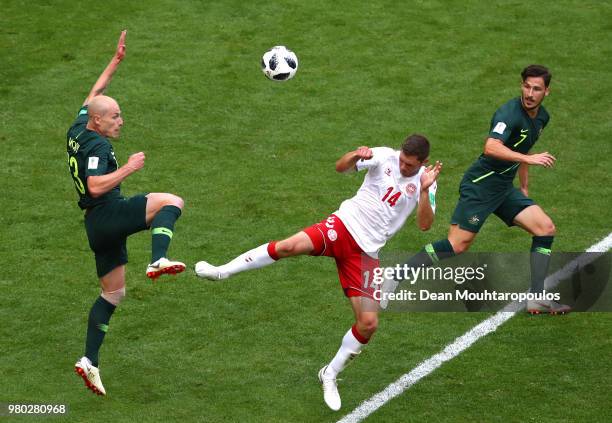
x=368, y=324
x=549, y=228
x=544, y=227
x=460, y=246
x=285, y=248
x=176, y=201
x=114, y=297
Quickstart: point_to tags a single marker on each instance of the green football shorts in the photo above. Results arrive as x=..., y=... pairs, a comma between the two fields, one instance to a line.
x=477, y=201
x=109, y=224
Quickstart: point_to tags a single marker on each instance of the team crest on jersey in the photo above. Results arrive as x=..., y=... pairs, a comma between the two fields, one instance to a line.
x=410, y=189
x=474, y=220
x=388, y=171
x=332, y=235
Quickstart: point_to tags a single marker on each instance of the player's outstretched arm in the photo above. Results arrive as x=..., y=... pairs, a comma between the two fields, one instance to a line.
x=106, y=76
x=347, y=162
x=496, y=149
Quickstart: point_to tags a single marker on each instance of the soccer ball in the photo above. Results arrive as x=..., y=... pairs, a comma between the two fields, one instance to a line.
x=279, y=63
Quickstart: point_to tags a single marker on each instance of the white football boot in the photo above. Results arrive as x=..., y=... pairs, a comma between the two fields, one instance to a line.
x=547, y=306
x=206, y=270
x=90, y=374
x=330, y=390
x=163, y=266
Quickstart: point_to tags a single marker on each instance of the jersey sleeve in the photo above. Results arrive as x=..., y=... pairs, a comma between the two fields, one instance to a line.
x=432, y=195
x=82, y=116
x=502, y=125
x=379, y=155
x=79, y=123
x=97, y=160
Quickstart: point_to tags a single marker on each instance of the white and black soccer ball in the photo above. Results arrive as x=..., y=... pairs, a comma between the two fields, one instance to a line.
x=279, y=63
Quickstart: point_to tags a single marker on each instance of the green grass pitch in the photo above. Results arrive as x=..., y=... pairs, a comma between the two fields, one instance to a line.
x=254, y=161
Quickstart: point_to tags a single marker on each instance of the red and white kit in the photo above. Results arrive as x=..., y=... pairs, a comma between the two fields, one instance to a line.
x=356, y=232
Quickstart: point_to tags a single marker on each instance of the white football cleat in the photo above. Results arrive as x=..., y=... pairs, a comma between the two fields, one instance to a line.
x=330, y=390
x=163, y=266
x=206, y=270
x=90, y=374
x=547, y=306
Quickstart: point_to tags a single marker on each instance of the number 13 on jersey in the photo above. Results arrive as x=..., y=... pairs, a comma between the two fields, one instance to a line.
x=74, y=171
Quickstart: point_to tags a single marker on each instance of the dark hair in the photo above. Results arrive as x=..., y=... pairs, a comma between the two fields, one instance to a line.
x=416, y=145
x=537, y=71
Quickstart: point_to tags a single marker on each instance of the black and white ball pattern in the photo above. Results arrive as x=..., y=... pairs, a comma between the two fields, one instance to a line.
x=279, y=63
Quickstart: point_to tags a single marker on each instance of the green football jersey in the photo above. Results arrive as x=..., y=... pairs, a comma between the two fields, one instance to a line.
x=512, y=125
x=89, y=154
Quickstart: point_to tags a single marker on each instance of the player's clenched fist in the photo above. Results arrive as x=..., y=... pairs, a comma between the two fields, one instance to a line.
x=136, y=161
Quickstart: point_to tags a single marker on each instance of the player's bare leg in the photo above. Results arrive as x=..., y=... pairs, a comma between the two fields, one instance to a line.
x=158, y=200
x=113, y=291
x=460, y=239
x=366, y=323
x=296, y=245
x=162, y=212
x=261, y=256
x=535, y=221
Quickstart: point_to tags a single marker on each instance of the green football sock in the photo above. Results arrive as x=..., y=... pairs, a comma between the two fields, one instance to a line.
x=97, y=326
x=431, y=254
x=161, y=231
x=540, y=259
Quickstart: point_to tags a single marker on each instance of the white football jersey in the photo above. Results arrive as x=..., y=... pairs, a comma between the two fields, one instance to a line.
x=384, y=200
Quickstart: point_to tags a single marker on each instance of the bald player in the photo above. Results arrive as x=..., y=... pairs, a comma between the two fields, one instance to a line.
x=109, y=217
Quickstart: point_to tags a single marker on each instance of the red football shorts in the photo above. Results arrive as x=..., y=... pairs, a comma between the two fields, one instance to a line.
x=355, y=268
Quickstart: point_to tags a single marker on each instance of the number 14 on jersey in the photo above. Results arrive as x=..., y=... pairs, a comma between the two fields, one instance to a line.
x=391, y=199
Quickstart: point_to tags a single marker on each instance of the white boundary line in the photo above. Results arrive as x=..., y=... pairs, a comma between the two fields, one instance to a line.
x=463, y=342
